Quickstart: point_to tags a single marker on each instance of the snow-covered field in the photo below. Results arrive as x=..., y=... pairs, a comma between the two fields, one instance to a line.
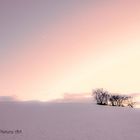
x=67, y=121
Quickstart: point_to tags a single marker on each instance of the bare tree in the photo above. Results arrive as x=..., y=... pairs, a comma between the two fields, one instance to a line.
x=121, y=100
x=103, y=97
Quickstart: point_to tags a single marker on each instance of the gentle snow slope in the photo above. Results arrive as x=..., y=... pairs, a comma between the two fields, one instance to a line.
x=68, y=121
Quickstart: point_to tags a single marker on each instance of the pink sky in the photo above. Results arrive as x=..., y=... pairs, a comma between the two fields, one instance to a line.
x=69, y=48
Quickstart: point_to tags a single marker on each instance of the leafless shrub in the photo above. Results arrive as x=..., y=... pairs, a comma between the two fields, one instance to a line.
x=103, y=97
x=121, y=100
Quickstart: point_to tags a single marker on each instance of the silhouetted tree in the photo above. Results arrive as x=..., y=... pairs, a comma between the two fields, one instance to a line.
x=103, y=97
x=121, y=100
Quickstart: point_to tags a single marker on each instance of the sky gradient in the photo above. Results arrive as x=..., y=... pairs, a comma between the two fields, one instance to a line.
x=49, y=48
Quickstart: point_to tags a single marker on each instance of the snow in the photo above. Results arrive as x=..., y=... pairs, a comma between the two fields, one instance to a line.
x=67, y=121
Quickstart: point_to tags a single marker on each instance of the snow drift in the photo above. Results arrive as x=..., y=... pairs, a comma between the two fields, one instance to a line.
x=67, y=121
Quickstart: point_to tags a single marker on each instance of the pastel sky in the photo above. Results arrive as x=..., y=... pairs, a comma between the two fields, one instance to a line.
x=51, y=47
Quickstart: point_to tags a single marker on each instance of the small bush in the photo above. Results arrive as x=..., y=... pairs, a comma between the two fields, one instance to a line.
x=103, y=97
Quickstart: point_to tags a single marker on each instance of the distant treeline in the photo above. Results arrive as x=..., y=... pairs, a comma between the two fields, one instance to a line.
x=103, y=97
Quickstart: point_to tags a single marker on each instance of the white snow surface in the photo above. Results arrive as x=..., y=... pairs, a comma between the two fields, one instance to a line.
x=68, y=121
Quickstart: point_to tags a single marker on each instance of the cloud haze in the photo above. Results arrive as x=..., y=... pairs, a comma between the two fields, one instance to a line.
x=7, y=98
